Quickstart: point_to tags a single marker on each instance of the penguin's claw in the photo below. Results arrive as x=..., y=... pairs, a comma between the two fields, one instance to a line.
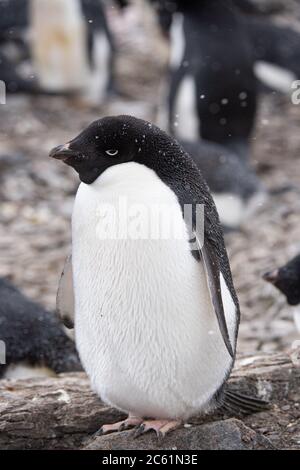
x=130, y=422
x=161, y=427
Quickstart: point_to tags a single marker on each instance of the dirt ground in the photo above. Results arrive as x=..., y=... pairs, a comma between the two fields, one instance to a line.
x=36, y=193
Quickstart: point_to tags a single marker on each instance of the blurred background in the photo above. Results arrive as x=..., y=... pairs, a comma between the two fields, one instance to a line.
x=66, y=63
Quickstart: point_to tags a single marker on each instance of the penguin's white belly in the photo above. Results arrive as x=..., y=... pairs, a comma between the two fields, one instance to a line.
x=59, y=44
x=186, y=116
x=99, y=78
x=144, y=326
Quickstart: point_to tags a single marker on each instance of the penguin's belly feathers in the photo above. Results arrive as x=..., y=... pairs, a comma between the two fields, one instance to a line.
x=59, y=44
x=145, y=328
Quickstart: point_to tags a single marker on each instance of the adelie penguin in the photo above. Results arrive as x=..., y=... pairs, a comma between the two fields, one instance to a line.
x=156, y=317
x=287, y=280
x=211, y=89
x=33, y=340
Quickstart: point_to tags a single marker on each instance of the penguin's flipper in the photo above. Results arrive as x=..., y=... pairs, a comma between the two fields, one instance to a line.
x=242, y=405
x=65, y=295
x=212, y=271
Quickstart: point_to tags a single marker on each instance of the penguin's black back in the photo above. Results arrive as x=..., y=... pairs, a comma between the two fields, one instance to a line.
x=33, y=335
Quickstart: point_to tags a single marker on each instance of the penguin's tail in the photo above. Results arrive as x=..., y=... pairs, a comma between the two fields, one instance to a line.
x=242, y=405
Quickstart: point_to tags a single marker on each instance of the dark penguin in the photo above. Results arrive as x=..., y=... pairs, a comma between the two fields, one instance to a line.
x=34, y=339
x=287, y=280
x=156, y=315
x=236, y=189
x=275, y=49
x=212, y=89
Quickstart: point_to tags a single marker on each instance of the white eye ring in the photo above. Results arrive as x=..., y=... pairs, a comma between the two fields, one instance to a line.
x=112, y=153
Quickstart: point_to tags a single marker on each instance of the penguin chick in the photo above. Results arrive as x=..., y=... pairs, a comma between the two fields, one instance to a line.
x=287, y=280
x=35, y=342
x=156, y=318
x=236, y=190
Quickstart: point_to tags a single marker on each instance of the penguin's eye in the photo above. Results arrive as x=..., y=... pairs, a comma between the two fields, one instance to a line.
x=112, y=152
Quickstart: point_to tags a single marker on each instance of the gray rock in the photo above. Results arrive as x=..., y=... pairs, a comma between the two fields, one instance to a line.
x=230, y=434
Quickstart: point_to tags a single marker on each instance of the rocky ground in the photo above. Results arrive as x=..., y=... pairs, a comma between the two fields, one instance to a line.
x=63, y=413
x=36, y=196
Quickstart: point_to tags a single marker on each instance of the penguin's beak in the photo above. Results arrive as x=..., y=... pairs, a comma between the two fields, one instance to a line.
x=62, y=152
x=67, y=154
x=271, y=276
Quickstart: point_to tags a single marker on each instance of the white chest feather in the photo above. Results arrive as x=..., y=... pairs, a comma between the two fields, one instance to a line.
x=99, y=77
x=144, y=325
x=186, y=121
x=177, y=43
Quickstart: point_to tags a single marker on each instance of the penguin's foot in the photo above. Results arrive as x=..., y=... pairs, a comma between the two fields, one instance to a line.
x=161, y=427
x=130, y=422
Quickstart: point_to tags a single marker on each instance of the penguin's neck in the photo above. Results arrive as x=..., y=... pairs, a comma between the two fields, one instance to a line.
x=126, y=178
x=118, y=189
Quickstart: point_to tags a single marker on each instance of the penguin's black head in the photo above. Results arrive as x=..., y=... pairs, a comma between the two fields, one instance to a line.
x=106, y=142
x=287, y=280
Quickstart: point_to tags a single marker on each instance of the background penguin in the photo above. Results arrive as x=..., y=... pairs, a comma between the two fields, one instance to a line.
x=156, y=320
x=14, y=49
x=69, y=44
x=275, y=49
x=101, y=48
x=276, y=53
x=212, y=87
x=59, y=44
x=35, y=341
x=287, y=280
x=235, y=188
